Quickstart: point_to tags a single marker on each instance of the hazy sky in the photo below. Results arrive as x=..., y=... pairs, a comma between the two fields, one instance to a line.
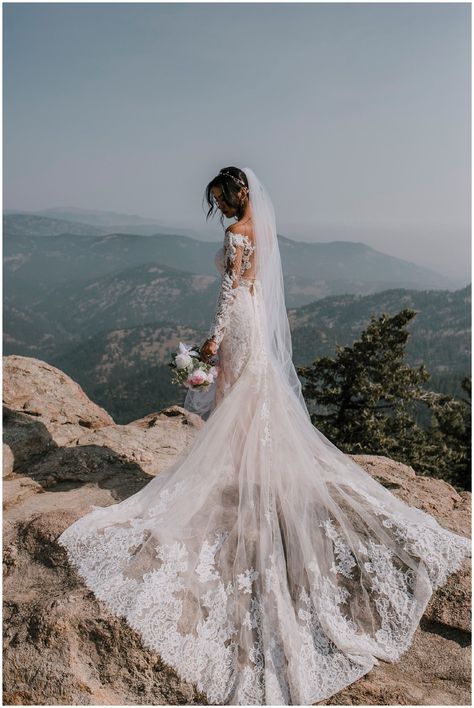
x=355, y=116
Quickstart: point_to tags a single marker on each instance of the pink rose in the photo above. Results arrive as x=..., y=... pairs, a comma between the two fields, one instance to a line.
x=197, y=377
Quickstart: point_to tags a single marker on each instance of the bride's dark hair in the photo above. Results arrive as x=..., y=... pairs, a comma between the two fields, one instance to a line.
x=230, y=190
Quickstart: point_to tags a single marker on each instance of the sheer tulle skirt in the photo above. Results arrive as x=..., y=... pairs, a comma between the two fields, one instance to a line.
x=264, y=565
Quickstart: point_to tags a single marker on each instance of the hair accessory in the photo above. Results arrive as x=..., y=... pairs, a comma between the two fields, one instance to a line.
x=236, y=179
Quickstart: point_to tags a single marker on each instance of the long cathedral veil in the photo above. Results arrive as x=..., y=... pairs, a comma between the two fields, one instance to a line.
x=270, y=274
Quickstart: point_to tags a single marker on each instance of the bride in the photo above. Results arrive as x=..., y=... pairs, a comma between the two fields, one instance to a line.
x=265, y=566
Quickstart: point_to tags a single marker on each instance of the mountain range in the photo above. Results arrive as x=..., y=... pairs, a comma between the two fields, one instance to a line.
x=109, y=308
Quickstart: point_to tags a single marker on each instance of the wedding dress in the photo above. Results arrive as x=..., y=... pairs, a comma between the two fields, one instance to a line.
x=265, y=566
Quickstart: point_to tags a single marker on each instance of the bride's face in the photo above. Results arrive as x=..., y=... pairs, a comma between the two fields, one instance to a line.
x=219, y=200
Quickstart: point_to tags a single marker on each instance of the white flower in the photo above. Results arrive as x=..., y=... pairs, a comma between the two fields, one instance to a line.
x=182, y=361
x=183, y=358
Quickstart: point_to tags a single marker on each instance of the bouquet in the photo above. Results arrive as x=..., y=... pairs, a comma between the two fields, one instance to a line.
x=190, y=370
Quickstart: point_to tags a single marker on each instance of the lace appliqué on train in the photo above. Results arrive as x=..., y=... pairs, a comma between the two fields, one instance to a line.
x=391, y=583
x=207, y=652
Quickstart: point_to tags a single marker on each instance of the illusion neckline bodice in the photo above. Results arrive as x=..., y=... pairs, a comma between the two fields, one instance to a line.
x=250, y=248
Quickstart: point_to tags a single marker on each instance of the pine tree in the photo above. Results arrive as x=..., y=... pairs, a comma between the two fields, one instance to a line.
x=367, y=400
x=451, y=423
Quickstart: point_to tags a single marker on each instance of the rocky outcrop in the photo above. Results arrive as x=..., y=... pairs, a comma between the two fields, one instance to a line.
x=62, y=453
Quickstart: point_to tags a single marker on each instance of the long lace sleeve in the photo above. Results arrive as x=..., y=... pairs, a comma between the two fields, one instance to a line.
x=234, y=245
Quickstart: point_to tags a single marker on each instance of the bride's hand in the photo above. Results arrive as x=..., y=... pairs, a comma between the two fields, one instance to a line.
x=208, y=349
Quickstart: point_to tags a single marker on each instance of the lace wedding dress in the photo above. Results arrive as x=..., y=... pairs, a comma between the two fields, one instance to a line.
x=265, y=566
